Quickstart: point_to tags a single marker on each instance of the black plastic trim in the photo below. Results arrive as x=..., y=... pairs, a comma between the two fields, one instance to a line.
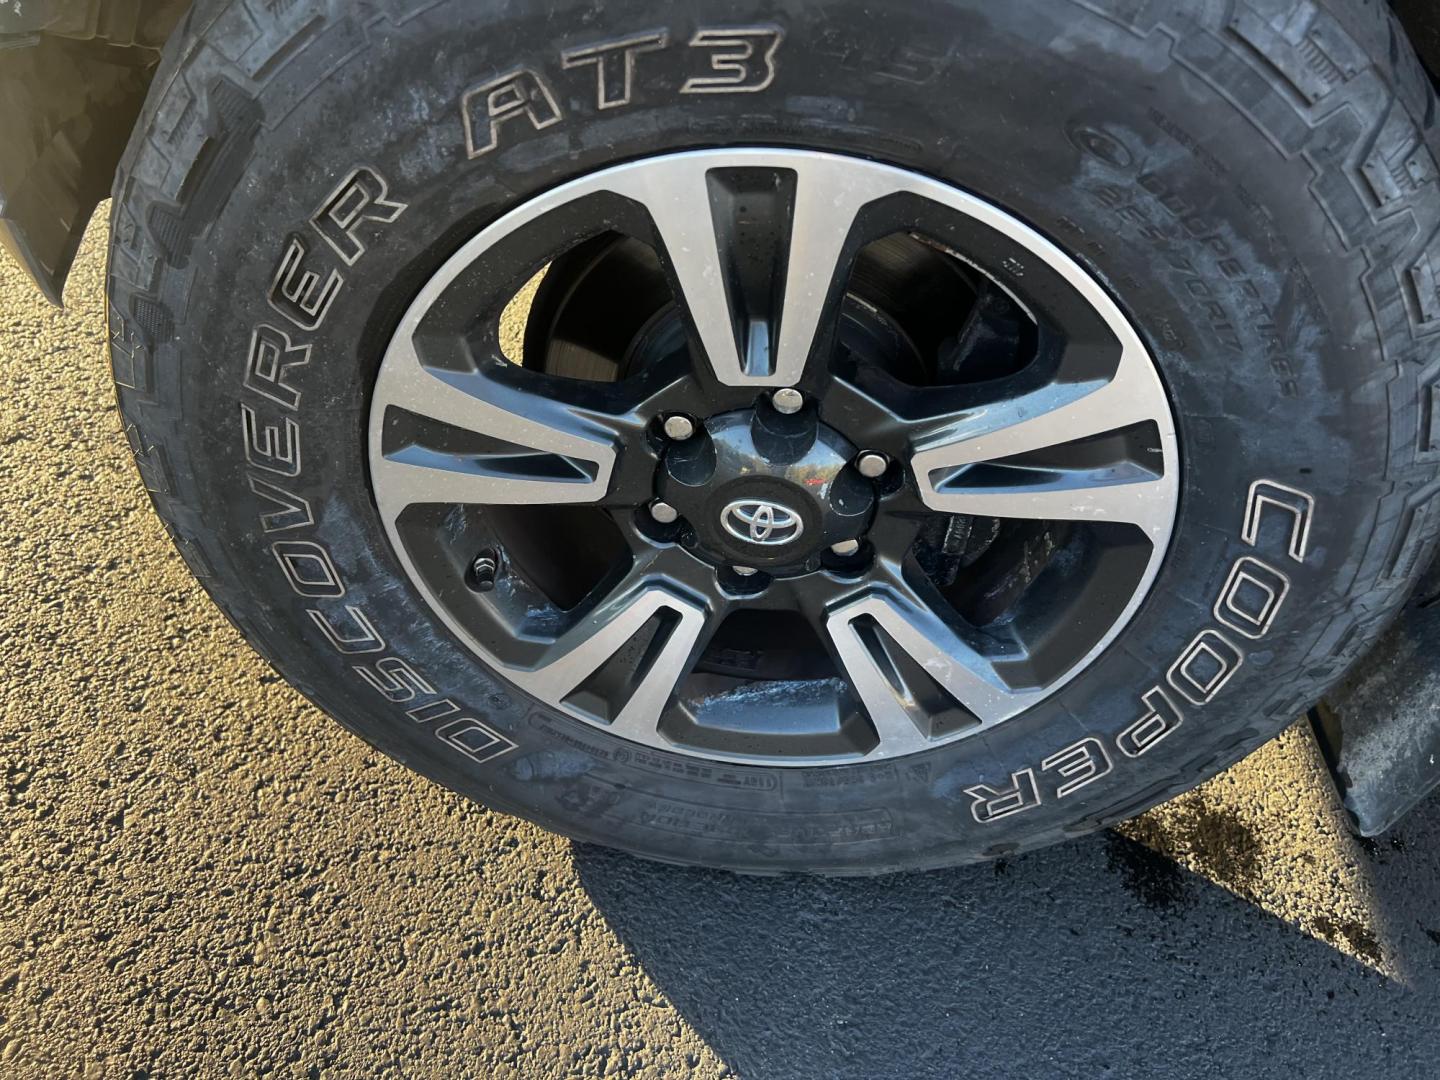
x=73, y=77
x=1379, y=730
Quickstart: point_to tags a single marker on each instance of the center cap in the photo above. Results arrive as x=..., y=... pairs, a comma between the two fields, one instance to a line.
x=757, y=521
x=764, y=489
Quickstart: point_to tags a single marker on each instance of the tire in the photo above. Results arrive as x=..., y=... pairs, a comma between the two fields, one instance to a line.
x=1253, y=183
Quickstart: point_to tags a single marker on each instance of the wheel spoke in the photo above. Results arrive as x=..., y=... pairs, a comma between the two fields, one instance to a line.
x=622, y=662
x=1082, y=495
x=522, y=448
x=757, y=317
x=961, y=465
x=873, y=665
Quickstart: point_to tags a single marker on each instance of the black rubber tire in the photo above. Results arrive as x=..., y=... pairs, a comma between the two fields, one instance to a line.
x=1255, y=182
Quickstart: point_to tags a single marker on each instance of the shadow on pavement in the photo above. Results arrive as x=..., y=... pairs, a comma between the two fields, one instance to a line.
x=1099, y=958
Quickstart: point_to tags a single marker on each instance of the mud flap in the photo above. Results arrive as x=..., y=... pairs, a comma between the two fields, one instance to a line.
x=66, y=114
x=1380, y=729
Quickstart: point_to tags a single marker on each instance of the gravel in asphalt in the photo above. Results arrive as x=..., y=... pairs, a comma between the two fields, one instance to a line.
x=201, y=875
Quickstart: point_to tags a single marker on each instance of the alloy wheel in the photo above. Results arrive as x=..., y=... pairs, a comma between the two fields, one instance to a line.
x=803, y=459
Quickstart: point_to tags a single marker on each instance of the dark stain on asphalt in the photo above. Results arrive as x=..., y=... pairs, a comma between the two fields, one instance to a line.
x=1433, y=935
x=1361, y=940
x=1220, y=844
x=1151, y=878
x=1225, y=846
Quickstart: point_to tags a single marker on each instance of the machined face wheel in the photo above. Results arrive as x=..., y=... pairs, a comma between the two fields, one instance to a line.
x=803, y=459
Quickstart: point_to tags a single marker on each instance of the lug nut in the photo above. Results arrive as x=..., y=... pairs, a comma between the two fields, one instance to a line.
x=872, y=465
x=744, y=571
x=845, y=547
x=663, y=512
x=679, y=427
x=484, y=568
x=788, y=400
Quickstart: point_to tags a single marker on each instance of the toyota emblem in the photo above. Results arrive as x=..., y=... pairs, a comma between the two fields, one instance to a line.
x=757, y=521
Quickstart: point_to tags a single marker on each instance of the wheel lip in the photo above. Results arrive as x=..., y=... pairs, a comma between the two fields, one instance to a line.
x=904, y=180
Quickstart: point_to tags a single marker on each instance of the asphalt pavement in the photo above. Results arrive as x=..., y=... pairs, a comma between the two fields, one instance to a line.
x=201, y=875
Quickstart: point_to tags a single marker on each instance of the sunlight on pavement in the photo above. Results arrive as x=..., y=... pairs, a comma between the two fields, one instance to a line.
x=1270, y=831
